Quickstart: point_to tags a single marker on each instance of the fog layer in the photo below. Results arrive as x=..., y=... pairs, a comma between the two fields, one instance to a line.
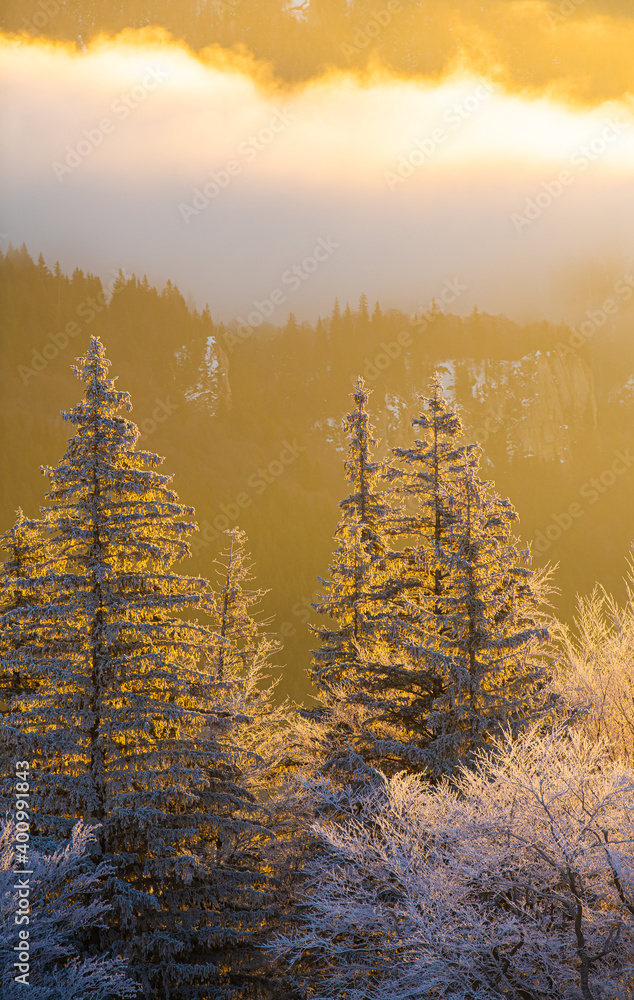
x=261, y=201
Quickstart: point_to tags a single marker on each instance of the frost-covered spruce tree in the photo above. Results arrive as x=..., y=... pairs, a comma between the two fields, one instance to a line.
x=258, y=733
x=117, y=728
x=330, y=736
x=241, y=673
x=355, y=599
x=24, y=547
x=484, y=633
x=425, y=483
x=466, y=659
x=353, y=595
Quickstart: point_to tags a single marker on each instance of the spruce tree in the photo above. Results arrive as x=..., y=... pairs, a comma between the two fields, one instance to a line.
x=241, y=672
x=452, y=597
x=477, y=666
x=485, y=632
x=258, y=732
x=427, y=483
x=117, y=728
x=353, y=593
x=333, y=735
x=23, y=546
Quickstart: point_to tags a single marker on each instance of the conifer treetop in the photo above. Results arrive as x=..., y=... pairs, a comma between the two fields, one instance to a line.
x=361, y=472
x=353, y=594
x=439, y=416
x=442, y=428
x=15, y=542
x=238, y=632
x=102, y=399
x=101, y=479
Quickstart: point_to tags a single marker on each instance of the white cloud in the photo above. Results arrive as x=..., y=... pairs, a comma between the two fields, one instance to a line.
x=138, y=131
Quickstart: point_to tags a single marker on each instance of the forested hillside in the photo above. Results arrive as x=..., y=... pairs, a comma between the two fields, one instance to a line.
x=250, y=418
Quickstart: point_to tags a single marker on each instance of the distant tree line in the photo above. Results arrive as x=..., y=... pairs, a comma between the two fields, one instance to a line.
x=453, y=818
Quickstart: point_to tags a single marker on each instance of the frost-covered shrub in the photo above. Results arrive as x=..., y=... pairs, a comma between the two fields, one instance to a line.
x=515, y=882
x=64, y=900
x=596, y=677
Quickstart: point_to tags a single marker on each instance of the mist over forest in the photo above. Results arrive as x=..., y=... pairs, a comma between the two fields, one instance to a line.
x=217, y=166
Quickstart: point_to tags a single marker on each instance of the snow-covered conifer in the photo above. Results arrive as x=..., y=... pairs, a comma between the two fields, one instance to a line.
x=257, y=731
x=333, y=734
x=24, y=547
x=353, y=594
x=478, y=663
x=117, y=728
x=425, y=483
x=242, y=674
